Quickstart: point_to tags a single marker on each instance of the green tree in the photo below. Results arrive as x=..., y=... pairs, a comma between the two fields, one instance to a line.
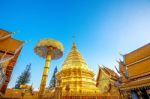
x=24, y=78
x=53, y=79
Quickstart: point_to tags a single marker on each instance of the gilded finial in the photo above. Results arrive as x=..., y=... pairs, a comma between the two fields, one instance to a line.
x=74, y=38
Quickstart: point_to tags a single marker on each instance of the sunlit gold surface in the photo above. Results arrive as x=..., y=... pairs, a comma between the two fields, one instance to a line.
x=45, y=72
x=106, y=80
x=75, y=77
x=41, y=48
x=137, y=62
x=49, y=49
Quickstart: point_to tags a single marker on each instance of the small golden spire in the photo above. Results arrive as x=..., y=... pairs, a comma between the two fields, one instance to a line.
x=74, y=38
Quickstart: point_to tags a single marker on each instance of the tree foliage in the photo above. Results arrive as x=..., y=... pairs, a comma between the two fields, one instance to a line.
x=53, y=79
x=24, y=78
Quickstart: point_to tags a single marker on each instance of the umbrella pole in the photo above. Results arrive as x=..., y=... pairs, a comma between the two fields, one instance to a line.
x=45, y=73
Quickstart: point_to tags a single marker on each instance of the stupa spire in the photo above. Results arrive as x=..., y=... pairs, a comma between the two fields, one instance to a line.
x=74, y=41
x=74, y=46
x=74, y=58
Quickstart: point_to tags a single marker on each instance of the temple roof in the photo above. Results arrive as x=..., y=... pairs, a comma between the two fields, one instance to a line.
x=110, y=72
x=4, y=34
x=137, y=54
x=11, y=45
x=8, y=44
x=9, y=51
x=113, y=75
x=74, y=59
x=135, y=84
x=137, y=63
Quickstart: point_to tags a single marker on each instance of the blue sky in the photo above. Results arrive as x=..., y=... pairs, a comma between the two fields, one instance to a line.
x=104, y=28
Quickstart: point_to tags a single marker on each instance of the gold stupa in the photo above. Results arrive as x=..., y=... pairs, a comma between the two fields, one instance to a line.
x=75, y=78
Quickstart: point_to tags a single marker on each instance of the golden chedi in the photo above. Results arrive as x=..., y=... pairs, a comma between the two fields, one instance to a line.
x=75, y=78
